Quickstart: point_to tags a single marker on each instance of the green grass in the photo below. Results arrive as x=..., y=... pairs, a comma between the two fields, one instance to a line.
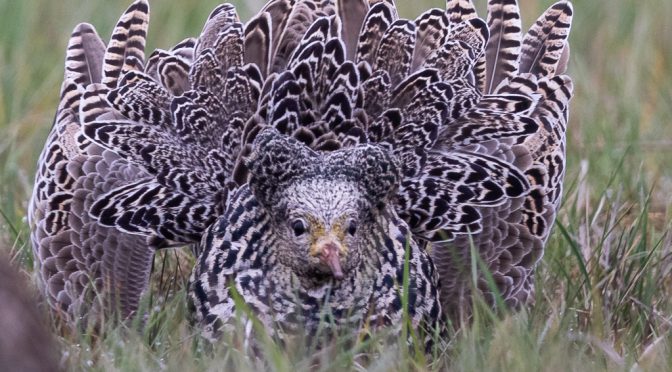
x=604, y=289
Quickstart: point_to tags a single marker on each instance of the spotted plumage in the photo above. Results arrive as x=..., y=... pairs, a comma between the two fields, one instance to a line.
x=306, y=154
x=312, y=232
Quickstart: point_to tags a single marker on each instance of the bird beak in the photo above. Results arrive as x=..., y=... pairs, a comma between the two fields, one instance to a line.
x=330, y=257
x=328, y=249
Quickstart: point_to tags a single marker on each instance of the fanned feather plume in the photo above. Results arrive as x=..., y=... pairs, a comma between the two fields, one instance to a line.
x=310, y=150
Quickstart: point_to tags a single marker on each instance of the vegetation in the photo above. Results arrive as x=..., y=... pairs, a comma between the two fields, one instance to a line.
x=604, y=289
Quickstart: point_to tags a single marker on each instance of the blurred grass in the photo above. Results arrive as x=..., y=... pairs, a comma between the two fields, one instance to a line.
x=604, y=287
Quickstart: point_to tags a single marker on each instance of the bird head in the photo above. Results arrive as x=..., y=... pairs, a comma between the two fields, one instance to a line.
x=321, y=204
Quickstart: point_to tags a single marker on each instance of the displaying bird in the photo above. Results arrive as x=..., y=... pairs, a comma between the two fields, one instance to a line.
x=325, y=155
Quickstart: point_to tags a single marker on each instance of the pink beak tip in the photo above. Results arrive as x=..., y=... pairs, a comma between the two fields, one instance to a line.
x=330, y=257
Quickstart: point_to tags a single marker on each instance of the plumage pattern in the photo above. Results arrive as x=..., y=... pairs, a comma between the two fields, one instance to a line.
x=250, y=249
x=306, y=153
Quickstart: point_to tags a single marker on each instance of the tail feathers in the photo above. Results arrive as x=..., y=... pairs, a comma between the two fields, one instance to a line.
x=550, y=114
x=563, y=63
x=279, y=13
x=126, y=48
x=84, y=57
x=526, y=84
x=455, y=60
x=243, y=90
x=229, y=47
x=94, y=104
x=490, y=120
x=71, y=96
x=78, y=258
x=376, y=93
x=154, y=150
x=141, y=98
x=556, y=94
x=418, y=134
x=185, y=49
x=460, y=10
x=312, y=44
x=152, y=65
x=299, y=20
x=173, y=74
x=198, y=120
x=332, y=58
x=413, y=85
x=205, y=73
x=474, y=32
x=395, y=51
x=545, y=42
x=432, y=31
x=341, y=97
x=433, y=103
x=219, y=20
x=171, y=68
x=377, y=21
x=352, y=14
x=503, y=47
x=258, y=41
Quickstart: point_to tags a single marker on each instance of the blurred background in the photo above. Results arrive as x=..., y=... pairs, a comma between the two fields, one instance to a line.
x=619, y=179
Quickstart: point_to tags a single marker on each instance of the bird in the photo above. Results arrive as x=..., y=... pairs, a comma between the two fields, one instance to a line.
x=325, y=154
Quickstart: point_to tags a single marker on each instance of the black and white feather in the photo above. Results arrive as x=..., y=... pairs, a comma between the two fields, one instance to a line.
x=304, y=153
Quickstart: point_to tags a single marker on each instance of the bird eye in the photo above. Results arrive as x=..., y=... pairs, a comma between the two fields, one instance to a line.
x=299, y=227
x=352, y=227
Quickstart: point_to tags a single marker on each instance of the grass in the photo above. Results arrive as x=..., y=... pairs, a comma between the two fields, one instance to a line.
x=604, y=289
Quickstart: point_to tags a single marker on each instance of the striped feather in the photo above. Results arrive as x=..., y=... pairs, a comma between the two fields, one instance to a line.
x=84, y=58
x=395, y=51
x=432, y=30
x=544, y=44
x=376, y=23
x=460, y=10
x=503, y=46
x=219, y=20
x=127, y=43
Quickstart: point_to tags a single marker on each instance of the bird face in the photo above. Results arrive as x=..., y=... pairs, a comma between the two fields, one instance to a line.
x=323, y=206
x=320, y=230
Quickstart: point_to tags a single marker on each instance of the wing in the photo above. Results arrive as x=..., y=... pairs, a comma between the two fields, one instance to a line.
x=76, y=257
x=513, y=234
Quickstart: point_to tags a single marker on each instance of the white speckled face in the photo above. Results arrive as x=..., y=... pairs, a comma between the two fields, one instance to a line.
x=323, y=205
x=320, y=227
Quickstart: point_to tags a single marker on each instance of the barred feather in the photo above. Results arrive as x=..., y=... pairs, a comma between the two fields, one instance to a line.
x=544, y=44
x=460, y=10
x=503, y=47
x=127, y=43
x=84, y=59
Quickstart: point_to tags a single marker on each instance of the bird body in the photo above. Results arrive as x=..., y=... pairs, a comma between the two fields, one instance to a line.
x=310, y=155
x=272, y=246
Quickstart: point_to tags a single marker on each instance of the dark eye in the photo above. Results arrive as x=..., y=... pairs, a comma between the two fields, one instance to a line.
x=352, y=227
x=299, y=226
